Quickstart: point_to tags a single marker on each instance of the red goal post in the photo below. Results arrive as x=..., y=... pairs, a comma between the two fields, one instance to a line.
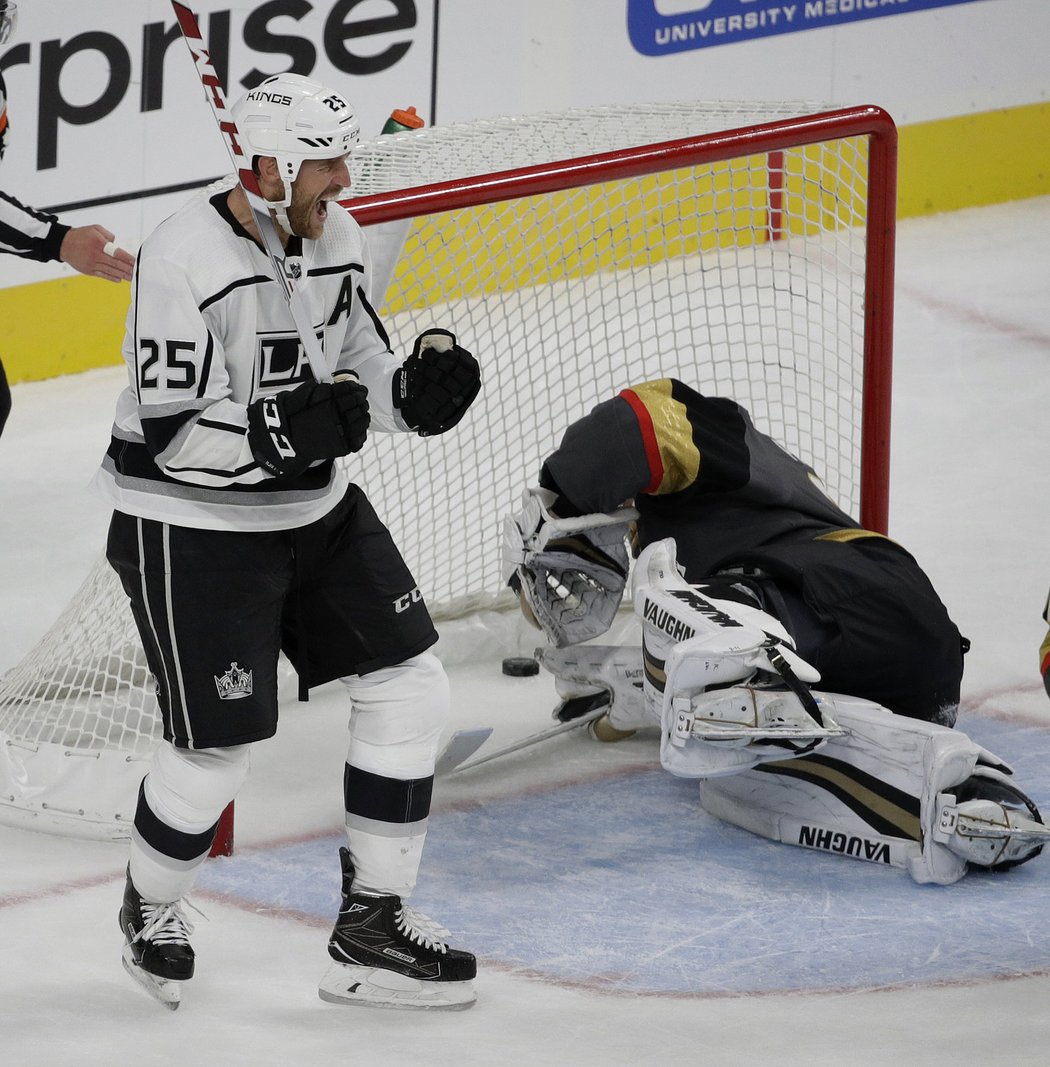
x=573, y=253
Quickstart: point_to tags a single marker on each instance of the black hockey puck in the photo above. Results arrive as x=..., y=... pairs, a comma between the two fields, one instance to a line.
x=521, y=666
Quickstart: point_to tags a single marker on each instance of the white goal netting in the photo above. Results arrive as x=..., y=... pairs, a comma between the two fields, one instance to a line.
x=753, y=260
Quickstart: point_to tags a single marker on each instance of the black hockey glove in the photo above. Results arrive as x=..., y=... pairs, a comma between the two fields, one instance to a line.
x=316, y=420
x=436, y=384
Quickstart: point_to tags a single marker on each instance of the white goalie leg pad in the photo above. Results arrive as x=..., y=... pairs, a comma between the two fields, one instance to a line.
x=691, y=641
x=883, y=791
x=858, y=796
x=726, y=731
x=616, y=670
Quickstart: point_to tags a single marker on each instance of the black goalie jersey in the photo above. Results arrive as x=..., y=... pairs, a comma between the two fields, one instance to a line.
x=208, y=332
x=697, y=470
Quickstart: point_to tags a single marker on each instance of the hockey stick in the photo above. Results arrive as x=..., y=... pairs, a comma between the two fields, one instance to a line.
x=461, y=746
x=532, y=739
x=288, y=269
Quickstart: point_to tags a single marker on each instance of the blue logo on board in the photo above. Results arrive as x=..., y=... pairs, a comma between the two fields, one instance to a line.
x=661, y=27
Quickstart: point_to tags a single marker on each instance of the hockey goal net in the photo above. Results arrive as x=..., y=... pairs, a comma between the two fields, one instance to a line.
x=747, y=249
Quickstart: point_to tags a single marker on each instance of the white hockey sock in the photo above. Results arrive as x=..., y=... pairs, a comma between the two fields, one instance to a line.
x=180, y=802
x=385, y=864
x=398, y=716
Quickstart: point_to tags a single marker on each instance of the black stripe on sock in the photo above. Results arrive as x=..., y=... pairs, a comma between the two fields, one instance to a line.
x=166, y=839
x=373, y=796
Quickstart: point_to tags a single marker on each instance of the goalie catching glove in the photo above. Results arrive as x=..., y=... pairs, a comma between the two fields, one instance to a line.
x=571, y=572
x=434, y=387
x=316, y=420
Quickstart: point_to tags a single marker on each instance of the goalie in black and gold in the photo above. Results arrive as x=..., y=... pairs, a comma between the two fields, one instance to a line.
x=802, y=667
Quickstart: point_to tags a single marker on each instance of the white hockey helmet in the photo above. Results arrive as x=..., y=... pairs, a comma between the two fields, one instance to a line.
x=292, y=118
x=8, y=20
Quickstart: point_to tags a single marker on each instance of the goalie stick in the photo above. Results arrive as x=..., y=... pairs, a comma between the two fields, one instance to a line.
x=288, y=269
x=461, y=746
x=448, y=764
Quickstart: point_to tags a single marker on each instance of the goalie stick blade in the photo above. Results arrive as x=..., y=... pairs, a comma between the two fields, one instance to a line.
x=162, y=990
x=535, y=739
x=461, y=746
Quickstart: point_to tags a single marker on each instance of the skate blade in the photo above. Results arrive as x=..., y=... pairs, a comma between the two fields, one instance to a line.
x=1026, y=830
x=752, y=735
x=376, y=988
x=163, y=990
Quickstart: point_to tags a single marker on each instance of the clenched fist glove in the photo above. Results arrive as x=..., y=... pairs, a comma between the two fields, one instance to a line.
x=316, y=420
x=436, y=384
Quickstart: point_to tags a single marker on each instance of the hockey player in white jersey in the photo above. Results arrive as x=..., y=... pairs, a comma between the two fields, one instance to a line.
x=237, y=535
x=802, y=668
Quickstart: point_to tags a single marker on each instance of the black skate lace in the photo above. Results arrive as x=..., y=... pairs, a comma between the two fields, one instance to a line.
x=164, y=924
x=421, y=929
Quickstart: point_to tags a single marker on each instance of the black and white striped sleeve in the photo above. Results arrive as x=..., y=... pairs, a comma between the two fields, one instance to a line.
x=29, y=233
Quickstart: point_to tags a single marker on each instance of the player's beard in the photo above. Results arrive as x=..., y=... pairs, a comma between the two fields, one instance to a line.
x=303, y=216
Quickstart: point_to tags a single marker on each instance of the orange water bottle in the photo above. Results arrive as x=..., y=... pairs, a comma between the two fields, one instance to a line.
x=402, y=119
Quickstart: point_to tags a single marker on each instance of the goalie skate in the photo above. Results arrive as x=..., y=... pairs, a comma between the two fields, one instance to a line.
x=998, y=827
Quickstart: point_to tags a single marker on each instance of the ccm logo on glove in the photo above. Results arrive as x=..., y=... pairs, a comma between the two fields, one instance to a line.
x=314, y=421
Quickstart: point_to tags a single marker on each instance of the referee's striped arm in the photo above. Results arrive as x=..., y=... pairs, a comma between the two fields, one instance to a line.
x=29, y=233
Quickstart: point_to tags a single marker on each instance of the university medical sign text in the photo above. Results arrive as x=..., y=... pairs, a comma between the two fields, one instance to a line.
x=658, y=27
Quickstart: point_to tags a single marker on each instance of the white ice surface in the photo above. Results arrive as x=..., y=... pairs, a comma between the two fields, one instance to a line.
x=970, y=438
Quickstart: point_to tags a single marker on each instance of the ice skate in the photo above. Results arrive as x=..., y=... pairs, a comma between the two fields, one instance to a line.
x=157, y=951
x=989, y=822
x=388, y=955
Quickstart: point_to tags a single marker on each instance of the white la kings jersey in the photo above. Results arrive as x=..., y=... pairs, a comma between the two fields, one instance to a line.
x=209, y=332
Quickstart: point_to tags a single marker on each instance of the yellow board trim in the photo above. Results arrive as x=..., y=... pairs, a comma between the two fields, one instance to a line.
x=77, y=323
x=61, y=327
x=974, y=160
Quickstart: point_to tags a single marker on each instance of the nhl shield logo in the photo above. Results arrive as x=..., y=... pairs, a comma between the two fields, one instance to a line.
x=234, y=684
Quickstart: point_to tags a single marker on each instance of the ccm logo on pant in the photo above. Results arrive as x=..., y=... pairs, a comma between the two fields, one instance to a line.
x=403, y=603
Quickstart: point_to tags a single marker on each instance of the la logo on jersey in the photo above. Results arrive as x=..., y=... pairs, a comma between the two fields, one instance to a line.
x=235, y=684
x=282, y=360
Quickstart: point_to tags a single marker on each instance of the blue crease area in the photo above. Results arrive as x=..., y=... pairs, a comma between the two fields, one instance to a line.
x=626, y=884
